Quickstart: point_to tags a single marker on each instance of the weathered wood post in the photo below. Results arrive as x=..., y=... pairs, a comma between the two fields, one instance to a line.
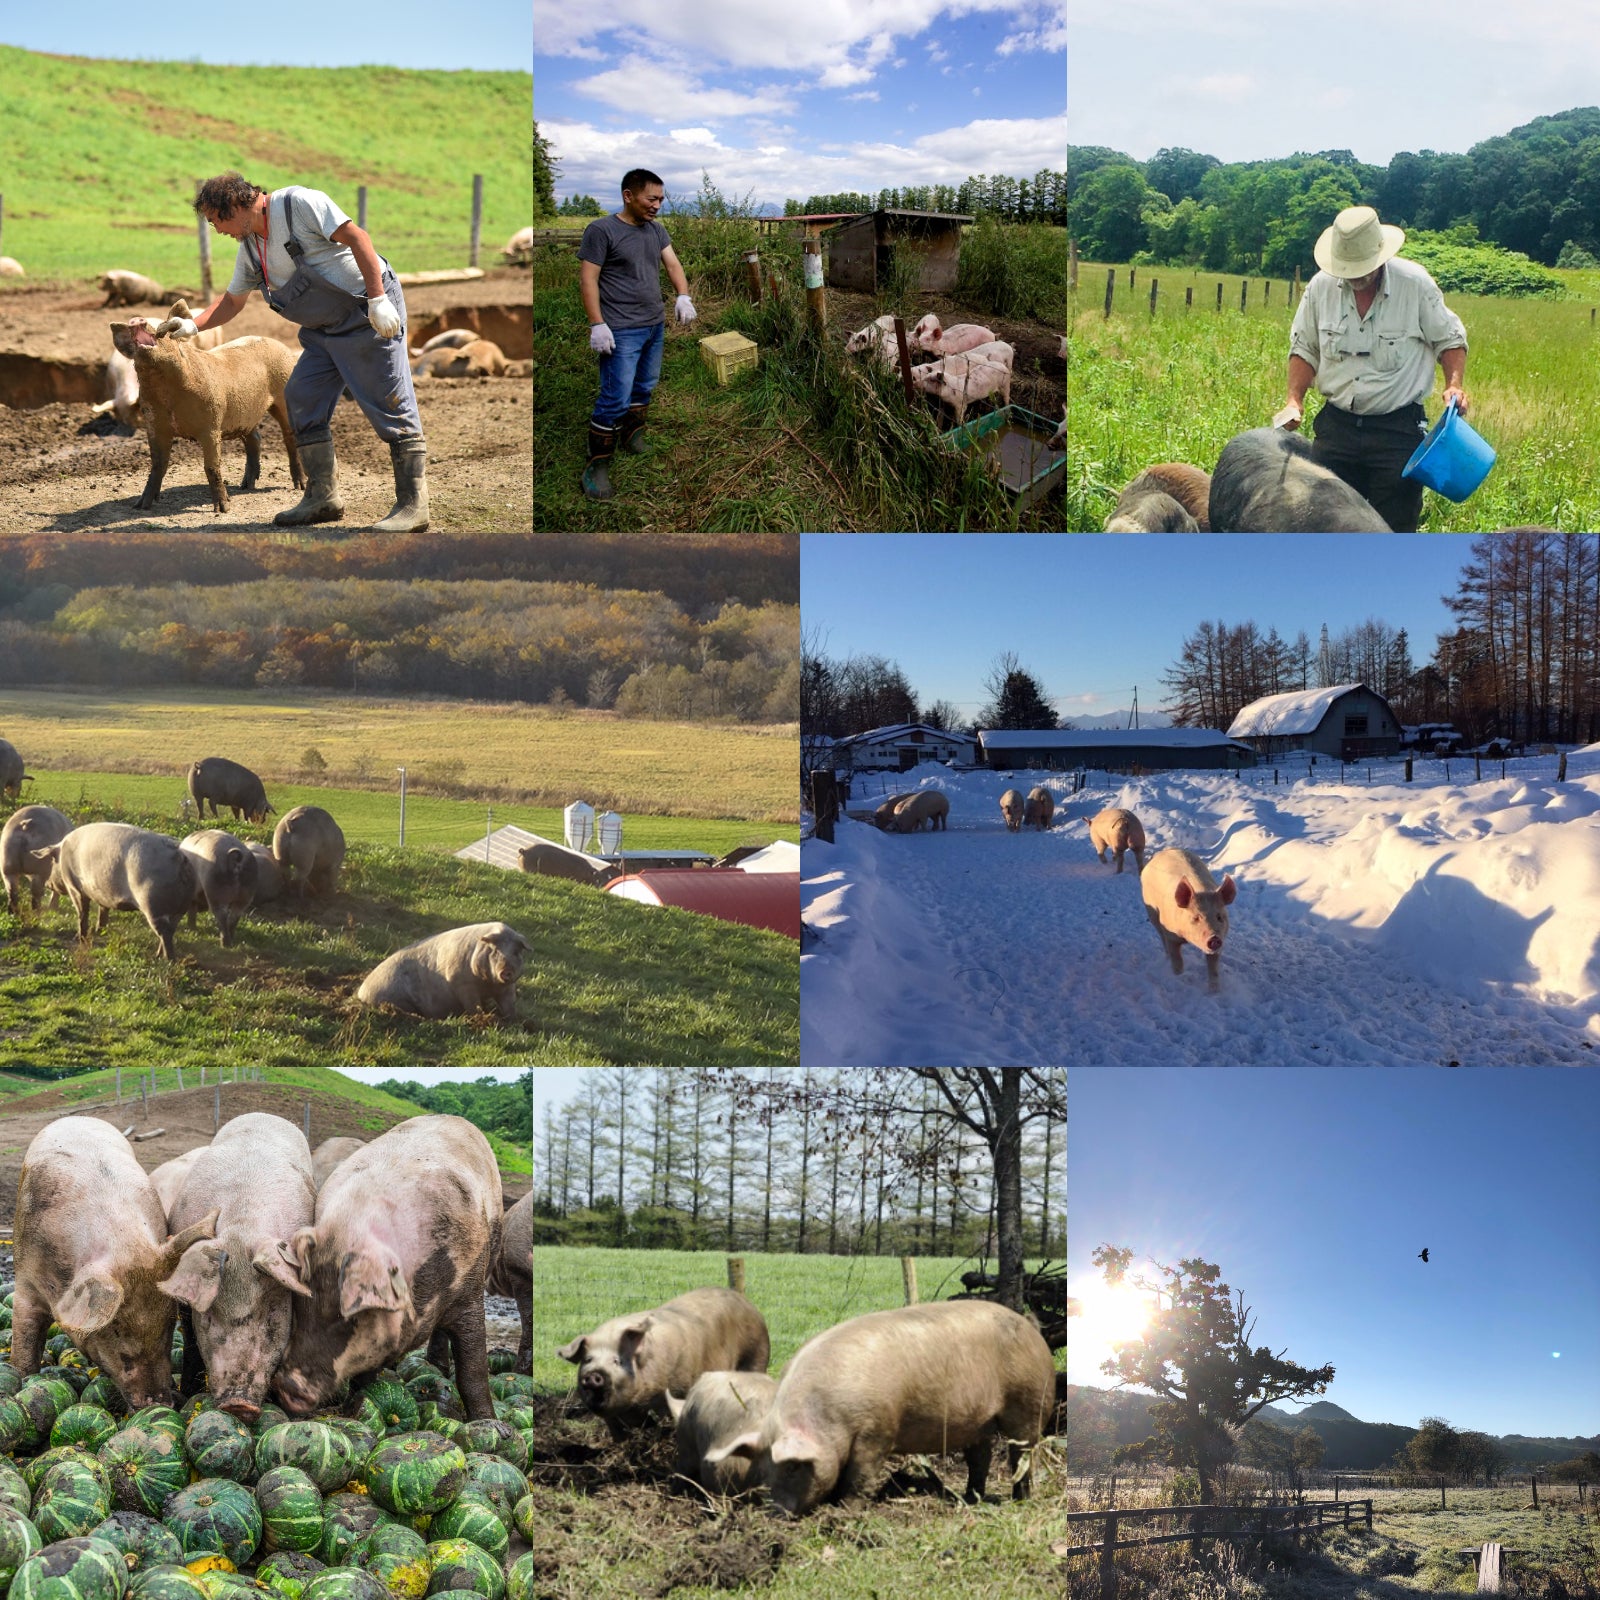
x=361, y=206
x=216, y=1105
x=1188, y=298
x=477, y=217
x=1477, y=769
x=1153, y=283
x=1108, y=1559
x=816, y=295
x=824, y=803
x=205, y=258
x=1130, y=277
x=1072, y=263
x=1561, y=777
x=908, y=1279
x=1111, y=287
x=1266, y=291
x=1219, y=297
x=1244, y=292
x=1408, y=780
x=752, y=273
x=736, y=1273
x=1533, y=1483
x=905, y=361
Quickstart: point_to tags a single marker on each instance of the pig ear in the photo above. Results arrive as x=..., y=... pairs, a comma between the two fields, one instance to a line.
x=574, y=1352
x=88, y=1305
x=746, y=1446
x=198, y=1279
x=1183, y=894
x=172, y=1251
x=369, y=1282
x=297, y=1252
x=272, y=1264
x=1228, y=890
x=674, y=1404
x=794, y=1446
x=629, y=1338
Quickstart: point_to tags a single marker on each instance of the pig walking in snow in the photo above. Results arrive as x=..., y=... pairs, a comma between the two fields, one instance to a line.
x=1012, y=808
x=927, y=805
x=406, y=1232
x=1040, y=808
x=237, y=1292
x=629, y=1364
x=91, y=1247
x=1185, y=906
x=883, y=817
x=717, y=1409
x=1118, y=831
x=953, y=1376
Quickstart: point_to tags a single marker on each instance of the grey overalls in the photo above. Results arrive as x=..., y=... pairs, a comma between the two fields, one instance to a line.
x=340, y=350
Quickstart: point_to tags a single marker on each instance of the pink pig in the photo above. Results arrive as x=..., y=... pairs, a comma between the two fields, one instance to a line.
x=959, y=381
x=951, y=341
x=1186, y=906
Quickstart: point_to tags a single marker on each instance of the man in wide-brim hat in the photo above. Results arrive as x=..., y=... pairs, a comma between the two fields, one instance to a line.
x=1368, y=334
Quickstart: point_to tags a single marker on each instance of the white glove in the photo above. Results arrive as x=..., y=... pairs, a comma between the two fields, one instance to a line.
x=685, y=309
x=601, y=340
x=181, y=328
x=382, y=315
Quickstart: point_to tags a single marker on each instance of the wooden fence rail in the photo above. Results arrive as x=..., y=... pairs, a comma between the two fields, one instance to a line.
x=1259, y=1522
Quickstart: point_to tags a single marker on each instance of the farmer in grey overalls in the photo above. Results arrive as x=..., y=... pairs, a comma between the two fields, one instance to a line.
x=316, y=267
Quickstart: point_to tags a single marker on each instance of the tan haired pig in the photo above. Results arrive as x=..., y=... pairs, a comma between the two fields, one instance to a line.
x=883, y=817
x=1118, y=831
x=1011, y=808
x=928, y=805
x=1185, y=906
x=1040, y=807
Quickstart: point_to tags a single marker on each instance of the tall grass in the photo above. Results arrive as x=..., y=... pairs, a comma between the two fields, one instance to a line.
x=1178, y=385
x=1015, y=270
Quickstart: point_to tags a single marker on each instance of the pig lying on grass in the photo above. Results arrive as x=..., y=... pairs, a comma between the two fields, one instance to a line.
x=455, y=973
x=628, y=1365
x=1117, y=831
x=1186, y=906
x=957, y=1375
x=717, y=1410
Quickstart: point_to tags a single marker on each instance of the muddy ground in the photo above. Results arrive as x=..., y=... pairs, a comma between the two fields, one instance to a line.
x=61, y=470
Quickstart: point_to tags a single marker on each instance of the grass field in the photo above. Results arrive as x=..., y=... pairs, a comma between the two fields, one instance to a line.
x=1178, y=386
x=619, y=1527
x=172, y=122
x=460, y=757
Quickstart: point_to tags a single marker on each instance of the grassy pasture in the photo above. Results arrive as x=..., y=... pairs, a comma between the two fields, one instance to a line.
x=1179, y=385
x=631, y=1533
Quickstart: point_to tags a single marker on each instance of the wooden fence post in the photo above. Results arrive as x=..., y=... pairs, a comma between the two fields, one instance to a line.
x=1111, y=286
x=752, y=272
x=1533, y=1483
x=1266, y=291
x=1153, y=283
x=477, y=217
x=1244, y=290
x=816, y=295
x=824, y=803
x=1561, y=777
x=1108, y=1559
x=1072, y=263
x=736, y=1273
x=1188, y=298
x=908, y=1278
x=1130, y=277
x=1219, y=297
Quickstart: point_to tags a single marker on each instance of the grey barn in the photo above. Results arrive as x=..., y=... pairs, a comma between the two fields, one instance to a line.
x=1114, y=749
x=1347, y=721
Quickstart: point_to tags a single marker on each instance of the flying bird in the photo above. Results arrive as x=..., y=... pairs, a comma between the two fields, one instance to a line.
x=1423, y=1256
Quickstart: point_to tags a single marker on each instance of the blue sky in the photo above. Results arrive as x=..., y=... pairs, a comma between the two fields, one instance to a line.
x=1229, y=79
x=775, y=99
x=485, y=35
x=1313, y=1192
x=1091, y=615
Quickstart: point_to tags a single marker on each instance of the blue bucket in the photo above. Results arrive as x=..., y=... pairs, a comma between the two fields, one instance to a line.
x=1453, y=460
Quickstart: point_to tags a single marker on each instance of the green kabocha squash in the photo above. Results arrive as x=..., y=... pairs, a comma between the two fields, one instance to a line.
x=413, y=1364
x=398, y=1557
x=460, y=1564
x=345, y=1583
x=219, y=1584
x=215, y=1516
x=415, y=1472
x=498, y=1480
x=470, y=1516
x=395, y=1404
x=158, y=1417
x=363, y=1437
x=104, y=1393
x=220, y=1446
x=73, y=1497
x=141, y=1539
x=346, y=1520
x=14, y=1491
x=519, y=1578
x=272, y=1416
x=165, y=1582
x=291, y=1510
x=86, y=1425
x=72, y=1569
x=146, y=1467
x=19, y=1539
x=287, y=1572
x=74, y=1379
x=34, y=1469
x=325, y=1455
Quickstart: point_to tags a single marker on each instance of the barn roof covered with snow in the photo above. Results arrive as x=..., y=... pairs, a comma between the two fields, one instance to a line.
x=1094, y=738
x=1302, y=711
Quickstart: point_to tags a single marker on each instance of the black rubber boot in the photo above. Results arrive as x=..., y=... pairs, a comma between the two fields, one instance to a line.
x=631, y=428
x=597, y=474
x=321, y=502
x=410, y=513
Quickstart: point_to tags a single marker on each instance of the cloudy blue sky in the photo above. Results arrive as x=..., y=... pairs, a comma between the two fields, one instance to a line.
x=775, y=99
x=1244, y=82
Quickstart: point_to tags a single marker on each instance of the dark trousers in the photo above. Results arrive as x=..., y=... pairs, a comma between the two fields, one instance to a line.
x=1368, y=453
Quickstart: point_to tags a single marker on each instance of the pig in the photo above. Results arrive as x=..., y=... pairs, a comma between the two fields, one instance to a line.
x=227, y=783
x=118, y=867
x=329, y=1154
x=1185, y=906
x=951, y=341
x=269, y=875
x=27, y=833
x=627, y=1365
x=91, y=1248
x=1039, y=809
x=1118, y=831
x=12, y=777
x=883, y=817
x=997, y=352
x=168, y=1178
x=1012, y=808
x=10, y=267
x=1170, y=497
x=959, y=383
x=398, y=1254
x=874, y=333
x=310, y=844
x=718, y=1409
x=453, y=974
x=226, y=872
x=547, y=859
x=129, y=288
x=513, y=1272
x=254, y=1180
x=1266, y=482
x=954, y=1375
x=927, y=805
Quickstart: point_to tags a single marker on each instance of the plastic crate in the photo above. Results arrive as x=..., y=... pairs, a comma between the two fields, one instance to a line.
x=1015, y=439
x=728, y=353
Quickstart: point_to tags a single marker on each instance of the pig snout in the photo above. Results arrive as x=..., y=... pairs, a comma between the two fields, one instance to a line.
x=595, y=1388
x=294, y=1395
x=242, y=1409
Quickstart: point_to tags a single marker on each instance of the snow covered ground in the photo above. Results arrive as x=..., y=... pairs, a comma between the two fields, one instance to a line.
x=1391, y=925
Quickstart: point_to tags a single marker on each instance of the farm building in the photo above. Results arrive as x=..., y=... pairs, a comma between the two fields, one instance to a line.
x=1114, y=749
x=901, y=747
x=504, y=847
x=861, y=251
x=1347, y=721
x=758, y=899
x=1435, y=738
x=810, y=226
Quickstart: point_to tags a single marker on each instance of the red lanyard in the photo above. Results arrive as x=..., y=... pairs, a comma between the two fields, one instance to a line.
x=261, y=250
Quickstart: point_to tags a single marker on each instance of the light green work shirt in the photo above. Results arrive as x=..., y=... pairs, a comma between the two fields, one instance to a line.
x=1383, y=361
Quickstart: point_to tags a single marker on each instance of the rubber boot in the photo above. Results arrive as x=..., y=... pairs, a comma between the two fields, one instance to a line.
x=410, y=513
x=321, y=502
x=597, y=474
x=631, y=429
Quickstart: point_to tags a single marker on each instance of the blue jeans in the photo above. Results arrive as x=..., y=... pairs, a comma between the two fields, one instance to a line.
x=629, y=373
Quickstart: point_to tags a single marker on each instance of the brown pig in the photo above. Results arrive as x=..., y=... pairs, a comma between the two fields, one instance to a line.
x=1039, y=808
x=926, y=805
x=1117, y=831
x=628, y=1365
x=1186, y=906
x=954, y=1375
x=329, y=1154
x=717, y=1409
x=235, y=1289
x=513, y=1272
x=91, y=1249
x=405, y=1234
x=884, y=815
x=1012, y=807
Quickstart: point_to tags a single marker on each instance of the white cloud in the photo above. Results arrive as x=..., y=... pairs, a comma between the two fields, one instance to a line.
x=1225, y=86
x=1049, y=36
x=935, y=53
x=700, y=136
x=663, y=91
x=865, y=94
x=842, y=74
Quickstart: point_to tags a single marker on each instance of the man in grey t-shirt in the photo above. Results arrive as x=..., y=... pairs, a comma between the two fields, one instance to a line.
x=619, y=276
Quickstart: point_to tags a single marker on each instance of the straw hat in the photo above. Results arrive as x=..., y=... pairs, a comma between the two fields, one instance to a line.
x=1357, y=243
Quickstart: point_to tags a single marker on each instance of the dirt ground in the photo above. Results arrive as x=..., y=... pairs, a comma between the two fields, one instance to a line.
x=61, y=470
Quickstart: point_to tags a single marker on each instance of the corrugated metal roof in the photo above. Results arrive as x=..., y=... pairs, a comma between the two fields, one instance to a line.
x=504, y=848
x=1279, y=715
x=1098, y=738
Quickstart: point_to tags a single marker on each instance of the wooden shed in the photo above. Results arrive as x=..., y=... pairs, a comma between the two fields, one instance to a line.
x=862, y=250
